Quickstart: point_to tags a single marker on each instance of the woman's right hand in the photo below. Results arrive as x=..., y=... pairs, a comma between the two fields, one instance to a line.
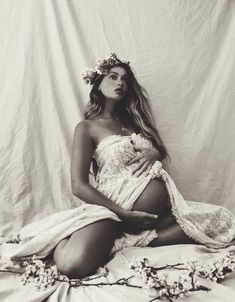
x=137, y=221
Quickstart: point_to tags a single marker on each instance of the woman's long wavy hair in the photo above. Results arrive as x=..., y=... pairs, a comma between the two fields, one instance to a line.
x=136, y=108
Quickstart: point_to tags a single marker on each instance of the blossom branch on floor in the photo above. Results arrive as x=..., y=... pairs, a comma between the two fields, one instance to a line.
x=159, y=282
x=162, y=285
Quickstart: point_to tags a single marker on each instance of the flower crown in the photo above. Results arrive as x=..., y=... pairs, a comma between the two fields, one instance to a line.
x=102, y=67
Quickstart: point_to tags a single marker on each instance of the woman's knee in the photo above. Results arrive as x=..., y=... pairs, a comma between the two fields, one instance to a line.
x=85, y=250
x=74, y=265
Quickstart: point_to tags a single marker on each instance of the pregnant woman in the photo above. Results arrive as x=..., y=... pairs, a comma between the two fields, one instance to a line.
x=120, y=139
x=133, y=201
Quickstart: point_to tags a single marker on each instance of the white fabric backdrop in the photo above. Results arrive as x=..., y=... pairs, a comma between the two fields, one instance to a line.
x=183, y=52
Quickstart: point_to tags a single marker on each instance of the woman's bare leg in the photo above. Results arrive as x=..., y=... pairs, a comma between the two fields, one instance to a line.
x=86, y=249
x=173, y=234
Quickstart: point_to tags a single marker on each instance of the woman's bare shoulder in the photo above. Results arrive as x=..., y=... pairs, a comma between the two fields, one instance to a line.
x=88, y=128
x=82, y=126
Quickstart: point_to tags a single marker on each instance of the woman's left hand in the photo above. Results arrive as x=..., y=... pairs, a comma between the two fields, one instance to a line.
x=145, y=160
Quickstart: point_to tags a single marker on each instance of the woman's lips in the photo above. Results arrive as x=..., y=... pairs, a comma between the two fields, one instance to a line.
x=119, y=91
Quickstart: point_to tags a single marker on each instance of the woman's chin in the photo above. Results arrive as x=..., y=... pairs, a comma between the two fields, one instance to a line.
x=116, y=98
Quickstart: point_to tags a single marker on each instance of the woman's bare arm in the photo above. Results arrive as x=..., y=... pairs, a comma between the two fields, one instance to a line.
x=81, y=160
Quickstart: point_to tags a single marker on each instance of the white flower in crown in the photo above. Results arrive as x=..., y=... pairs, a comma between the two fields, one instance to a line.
x=90, y=76
x=102, y=67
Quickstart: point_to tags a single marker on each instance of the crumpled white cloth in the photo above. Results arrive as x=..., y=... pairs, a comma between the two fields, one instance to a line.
x=42, y=236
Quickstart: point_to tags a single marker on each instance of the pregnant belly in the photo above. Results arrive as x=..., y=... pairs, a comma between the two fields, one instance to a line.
x=153, y=199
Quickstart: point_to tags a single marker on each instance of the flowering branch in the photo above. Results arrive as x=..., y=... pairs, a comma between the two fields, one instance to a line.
x=160, y=285
x=121, y=281
x=9, y=271
x=154, y=280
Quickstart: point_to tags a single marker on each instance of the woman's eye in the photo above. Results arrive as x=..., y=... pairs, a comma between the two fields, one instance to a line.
x=113, y=77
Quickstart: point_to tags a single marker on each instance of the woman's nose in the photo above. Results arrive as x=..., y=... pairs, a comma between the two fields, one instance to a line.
x=120, y=83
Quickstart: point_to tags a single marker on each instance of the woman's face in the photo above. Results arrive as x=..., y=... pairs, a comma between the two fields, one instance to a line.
x=114, y=84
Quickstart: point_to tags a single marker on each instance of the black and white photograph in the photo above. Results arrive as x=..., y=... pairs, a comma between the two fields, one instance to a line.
x=117, y=166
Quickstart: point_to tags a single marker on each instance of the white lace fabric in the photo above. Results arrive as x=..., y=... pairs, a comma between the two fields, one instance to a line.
x=208, y=224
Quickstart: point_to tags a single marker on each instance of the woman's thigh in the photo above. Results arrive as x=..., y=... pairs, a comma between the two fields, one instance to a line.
x=86, y=249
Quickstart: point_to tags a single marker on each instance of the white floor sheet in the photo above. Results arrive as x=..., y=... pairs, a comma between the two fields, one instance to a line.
x=12, y=290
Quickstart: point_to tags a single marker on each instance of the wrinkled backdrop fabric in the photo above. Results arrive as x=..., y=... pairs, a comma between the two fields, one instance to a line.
x=183, y=53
